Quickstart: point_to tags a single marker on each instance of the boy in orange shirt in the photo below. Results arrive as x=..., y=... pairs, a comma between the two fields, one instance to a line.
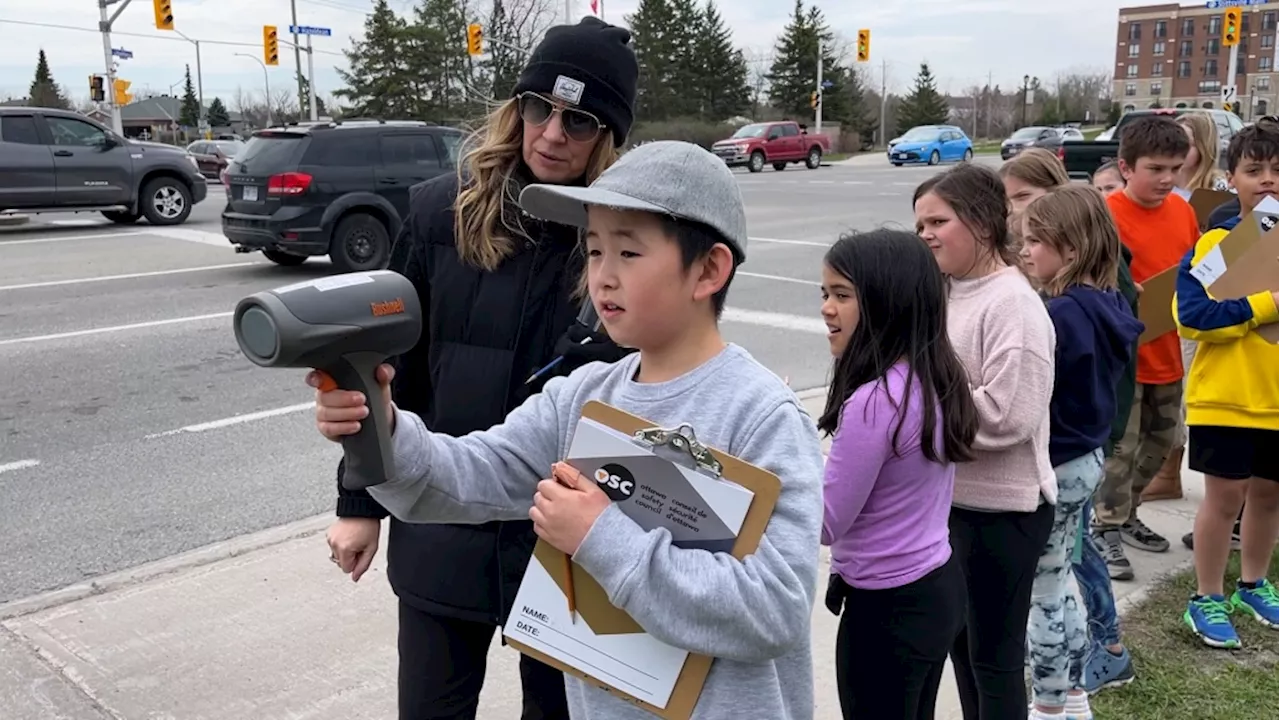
x=1158, y=228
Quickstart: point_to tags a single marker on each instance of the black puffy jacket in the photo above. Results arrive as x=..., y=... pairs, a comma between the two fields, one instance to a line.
x=485, y=333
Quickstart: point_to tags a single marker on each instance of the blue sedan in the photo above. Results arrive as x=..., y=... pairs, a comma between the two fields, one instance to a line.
x=931, y=144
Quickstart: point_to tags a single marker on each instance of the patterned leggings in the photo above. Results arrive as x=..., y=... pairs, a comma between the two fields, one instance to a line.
x=1056, y=628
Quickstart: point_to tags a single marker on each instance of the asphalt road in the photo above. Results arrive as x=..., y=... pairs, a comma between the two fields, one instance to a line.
x=131, y=428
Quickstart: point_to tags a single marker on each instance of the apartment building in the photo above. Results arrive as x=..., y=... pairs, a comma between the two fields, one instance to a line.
x=1172, y=56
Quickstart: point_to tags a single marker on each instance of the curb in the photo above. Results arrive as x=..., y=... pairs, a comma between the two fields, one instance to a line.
x=1139, y=596
x=174, y=564
x=14, y=220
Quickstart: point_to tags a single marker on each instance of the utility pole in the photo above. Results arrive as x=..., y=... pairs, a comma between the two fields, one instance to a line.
x=883, y=99
x=817, y=111
x=990, y=92
x=104, y=26
x=311, y=81
x=297, y=54
x=568, y=12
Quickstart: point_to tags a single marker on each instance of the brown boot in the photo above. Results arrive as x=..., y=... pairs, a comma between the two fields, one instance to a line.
x=1167, y=483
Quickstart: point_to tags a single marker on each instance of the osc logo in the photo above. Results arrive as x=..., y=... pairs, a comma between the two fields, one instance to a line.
x=616, y=481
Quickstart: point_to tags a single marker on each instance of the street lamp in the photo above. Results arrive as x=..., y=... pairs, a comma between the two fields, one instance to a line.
x=1026, y=86
x=199, y=78
x=266, y=82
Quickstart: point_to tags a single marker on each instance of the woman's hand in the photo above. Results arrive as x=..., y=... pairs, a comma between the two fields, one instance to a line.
x=339, y=412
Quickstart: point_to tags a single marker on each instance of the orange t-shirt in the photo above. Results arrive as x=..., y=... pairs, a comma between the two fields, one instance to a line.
x=1158, y=238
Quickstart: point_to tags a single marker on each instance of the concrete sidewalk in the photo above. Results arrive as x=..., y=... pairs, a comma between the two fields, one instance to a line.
x=265, y=627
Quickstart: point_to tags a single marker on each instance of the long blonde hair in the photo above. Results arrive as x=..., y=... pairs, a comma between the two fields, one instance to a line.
x=1036, y=167
x=1204, y=138
x=484, y=229
x=1075, y=217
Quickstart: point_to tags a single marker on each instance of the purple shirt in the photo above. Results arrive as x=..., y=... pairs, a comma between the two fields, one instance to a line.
x=885, y=515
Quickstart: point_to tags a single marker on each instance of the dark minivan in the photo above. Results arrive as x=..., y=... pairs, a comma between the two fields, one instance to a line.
x=336, y=188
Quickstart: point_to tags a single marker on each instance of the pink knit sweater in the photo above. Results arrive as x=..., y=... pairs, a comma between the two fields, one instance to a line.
x=1003, y=335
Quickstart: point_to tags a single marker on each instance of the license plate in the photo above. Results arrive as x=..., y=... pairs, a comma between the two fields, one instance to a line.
x=250, y=193
x=902, y=156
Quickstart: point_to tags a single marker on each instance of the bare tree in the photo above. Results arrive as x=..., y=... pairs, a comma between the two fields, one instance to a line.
x=758, y=63
x=529, y=20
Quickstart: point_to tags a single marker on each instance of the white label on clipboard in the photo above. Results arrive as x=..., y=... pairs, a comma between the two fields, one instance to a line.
x=1210, y=268
x=700, y=511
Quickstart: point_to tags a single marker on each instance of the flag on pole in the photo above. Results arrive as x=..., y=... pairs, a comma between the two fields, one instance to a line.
x=595, y=7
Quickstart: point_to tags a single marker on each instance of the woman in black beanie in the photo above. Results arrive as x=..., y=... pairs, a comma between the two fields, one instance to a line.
x=498, y=288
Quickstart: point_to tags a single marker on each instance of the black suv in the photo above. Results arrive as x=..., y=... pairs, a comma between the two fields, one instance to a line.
x=331, y=188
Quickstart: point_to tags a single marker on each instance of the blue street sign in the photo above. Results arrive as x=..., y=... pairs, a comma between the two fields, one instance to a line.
x=1216, y=4
x=827, y=83
x=121, y=53
x=308, y=30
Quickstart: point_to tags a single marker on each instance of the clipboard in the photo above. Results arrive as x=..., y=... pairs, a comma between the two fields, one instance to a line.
x=591, y=597
x=1248, y=255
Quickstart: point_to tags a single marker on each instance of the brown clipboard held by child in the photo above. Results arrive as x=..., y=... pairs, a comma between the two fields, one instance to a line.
x=588, y=598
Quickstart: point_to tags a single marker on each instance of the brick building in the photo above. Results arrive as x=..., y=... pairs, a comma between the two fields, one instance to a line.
x=1172, y=56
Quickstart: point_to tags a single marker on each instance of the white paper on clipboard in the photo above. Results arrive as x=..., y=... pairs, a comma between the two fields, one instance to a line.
x=700, y=512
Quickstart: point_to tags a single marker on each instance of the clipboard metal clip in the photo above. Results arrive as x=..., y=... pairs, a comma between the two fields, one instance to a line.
x=683, y=440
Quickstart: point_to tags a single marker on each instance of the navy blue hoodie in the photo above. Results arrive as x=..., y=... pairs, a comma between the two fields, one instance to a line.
x=1096, y=332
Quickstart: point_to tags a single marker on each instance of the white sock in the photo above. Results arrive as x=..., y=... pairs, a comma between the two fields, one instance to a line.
x=1038, y=714
x=1078, y=706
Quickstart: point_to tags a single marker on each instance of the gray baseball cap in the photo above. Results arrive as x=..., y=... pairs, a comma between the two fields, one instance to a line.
x=669, y=177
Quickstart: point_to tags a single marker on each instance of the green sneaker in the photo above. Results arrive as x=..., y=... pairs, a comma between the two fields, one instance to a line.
x=1259, y=601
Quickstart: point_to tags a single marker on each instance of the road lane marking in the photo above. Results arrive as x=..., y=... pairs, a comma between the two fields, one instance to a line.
x=68, y=238
x=780, y=321
x=235, y=420
x=127, y=276
x=19, y=465
x=809, y=243
x=762, y=276
x=115, y=328
x=196, y=236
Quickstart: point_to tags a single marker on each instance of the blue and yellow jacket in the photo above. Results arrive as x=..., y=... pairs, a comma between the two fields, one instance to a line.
x=1233, y=378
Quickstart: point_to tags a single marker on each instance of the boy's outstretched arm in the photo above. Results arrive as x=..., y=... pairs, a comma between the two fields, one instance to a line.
x=1204, y=319
x=482, y=476
x=751, y=610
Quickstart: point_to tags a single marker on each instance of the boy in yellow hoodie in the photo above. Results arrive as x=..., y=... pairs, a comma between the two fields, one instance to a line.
x=1232, y=422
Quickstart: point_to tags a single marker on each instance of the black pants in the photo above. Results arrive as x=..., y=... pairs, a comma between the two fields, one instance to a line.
x=998, y=552
x=893, y=643
x=442, y=666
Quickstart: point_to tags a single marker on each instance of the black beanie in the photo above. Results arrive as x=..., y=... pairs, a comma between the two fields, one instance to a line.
x=599, y=70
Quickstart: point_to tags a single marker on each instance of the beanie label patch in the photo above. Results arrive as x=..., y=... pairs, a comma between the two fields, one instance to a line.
x=568, y=89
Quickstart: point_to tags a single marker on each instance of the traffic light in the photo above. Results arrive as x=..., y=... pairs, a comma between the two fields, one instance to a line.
x=864, y=45
x=164, y=14
x=122, y=95
x=1231, y=27
x=475, y=39
x=815, y=97
x=270, y=45
x=97, y=88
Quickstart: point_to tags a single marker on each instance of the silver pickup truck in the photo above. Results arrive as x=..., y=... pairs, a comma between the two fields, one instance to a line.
x=56, y=161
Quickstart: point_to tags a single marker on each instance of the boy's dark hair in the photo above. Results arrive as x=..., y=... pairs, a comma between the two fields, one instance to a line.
x=902, y=303
x=976, y=195
x=696, y=240
x=1256, y=142
x=1152, y=136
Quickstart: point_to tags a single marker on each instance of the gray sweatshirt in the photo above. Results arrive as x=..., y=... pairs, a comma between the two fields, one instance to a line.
x=752, y=616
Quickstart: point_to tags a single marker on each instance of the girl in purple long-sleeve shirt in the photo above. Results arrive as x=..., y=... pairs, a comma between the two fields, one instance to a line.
x=902, y=416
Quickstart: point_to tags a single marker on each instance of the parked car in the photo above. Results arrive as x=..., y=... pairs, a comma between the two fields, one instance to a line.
x=1081, y=157
x=779, y=143
x=930, y=144
x=1041, y=136
x=57, y=161
x=336, y=188
x=212, y=156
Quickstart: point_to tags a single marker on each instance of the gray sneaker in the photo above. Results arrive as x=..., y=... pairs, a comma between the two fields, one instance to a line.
x=1108, y=542
x=1137, y=534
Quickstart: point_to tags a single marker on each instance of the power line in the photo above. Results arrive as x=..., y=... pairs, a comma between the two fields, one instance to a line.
x=151, y=36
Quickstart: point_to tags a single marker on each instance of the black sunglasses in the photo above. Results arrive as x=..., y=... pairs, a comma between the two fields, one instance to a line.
x=579, y=125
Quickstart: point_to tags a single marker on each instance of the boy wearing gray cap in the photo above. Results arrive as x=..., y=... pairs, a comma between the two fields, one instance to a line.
x=665, y=230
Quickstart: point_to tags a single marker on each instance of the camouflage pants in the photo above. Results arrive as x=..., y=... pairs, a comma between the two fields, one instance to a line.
x=1149, y=435
x=1188, y=354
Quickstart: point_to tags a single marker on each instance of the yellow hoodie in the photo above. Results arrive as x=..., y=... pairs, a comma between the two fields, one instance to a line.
x=1234, y=376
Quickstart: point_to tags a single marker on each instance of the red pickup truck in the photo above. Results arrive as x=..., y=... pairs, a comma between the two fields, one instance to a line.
x=779, y=143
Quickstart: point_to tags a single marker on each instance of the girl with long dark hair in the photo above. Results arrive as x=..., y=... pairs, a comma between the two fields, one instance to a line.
x=901, y=414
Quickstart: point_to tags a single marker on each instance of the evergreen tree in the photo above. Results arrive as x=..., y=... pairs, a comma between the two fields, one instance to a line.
x=379, y=83
x=44, y=91
x=321, y=110
x=651, y=35
x=791, y=76
x=687, y=29
x=441, y=70
x=860, y=115
x=924, y=105
x=217, y=114
x=189, y=110
x=722, y=89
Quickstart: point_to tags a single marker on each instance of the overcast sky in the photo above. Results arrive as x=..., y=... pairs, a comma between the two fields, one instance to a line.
x=963, y=40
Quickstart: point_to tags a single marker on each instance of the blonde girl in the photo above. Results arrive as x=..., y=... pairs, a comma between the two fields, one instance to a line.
x=1201, y=167
x=1072, y=249
x=1030, y=175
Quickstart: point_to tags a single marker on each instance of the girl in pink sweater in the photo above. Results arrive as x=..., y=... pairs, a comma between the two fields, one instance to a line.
x=1002, y=509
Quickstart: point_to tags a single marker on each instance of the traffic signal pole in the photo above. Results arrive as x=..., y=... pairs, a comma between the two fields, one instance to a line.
x=817, y=111
x=104, y=25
